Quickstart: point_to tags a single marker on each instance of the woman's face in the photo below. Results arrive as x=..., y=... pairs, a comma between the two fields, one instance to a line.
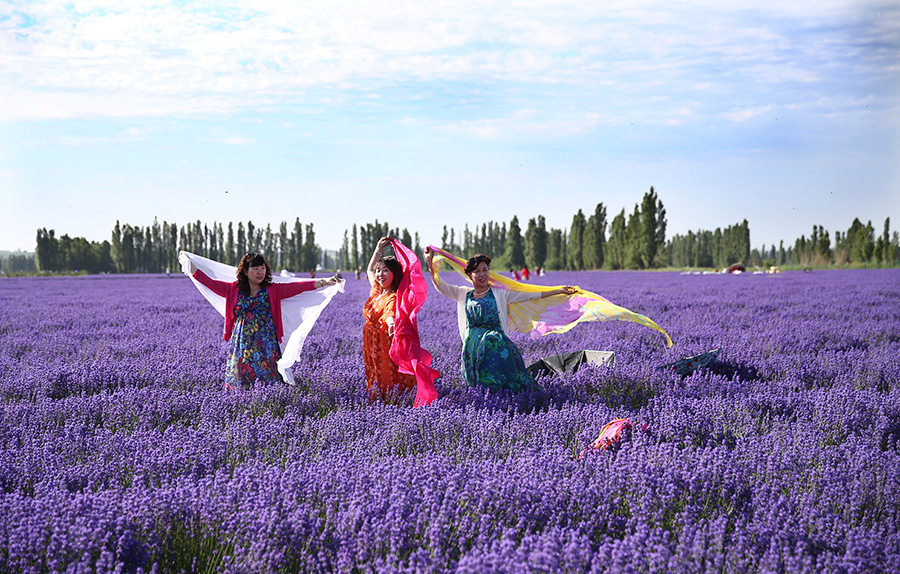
x=384, y=276
x=256, y=275
x=480, y=276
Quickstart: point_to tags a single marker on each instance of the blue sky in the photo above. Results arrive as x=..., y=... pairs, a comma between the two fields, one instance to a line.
x=426, y=114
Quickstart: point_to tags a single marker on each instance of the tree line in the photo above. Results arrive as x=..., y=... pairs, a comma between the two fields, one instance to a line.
x=155, y=248
x=858, y=244
x=634, y=242
x=19, y=263
x=719, y=248
x=630, y=240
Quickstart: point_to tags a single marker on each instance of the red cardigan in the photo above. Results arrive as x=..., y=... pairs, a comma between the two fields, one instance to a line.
x=277, y=292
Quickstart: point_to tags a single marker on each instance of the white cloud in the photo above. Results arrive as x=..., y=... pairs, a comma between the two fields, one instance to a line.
x=746, y=114
x=529, y=123
x=127, y=135
x=232, y=140
x=569, y=58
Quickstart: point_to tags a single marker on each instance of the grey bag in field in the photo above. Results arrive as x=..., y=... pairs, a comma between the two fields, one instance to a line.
x=569, y=362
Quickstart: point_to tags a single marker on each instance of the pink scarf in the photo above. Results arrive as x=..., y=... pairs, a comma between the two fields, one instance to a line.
x=406, y=350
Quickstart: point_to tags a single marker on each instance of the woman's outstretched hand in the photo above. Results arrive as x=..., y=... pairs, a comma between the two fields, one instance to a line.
x=429, y=255
x=567, y=290
x=187, y=266
x=333, y=280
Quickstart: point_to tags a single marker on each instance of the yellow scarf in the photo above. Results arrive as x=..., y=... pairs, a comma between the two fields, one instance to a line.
x=553, y=314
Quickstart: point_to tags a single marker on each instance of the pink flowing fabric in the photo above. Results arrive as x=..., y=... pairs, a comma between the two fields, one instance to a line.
x=406, y=350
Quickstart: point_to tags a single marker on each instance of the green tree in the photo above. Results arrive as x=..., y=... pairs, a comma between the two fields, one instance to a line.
x=861, y=241
x=651, y=233
x=406, y=239
x=594, y=241
x=157, y=261
x=128, y=254
x=536, y=242
x=230, y=257
x=824, y=246
x=514, y=250
x=354, y=248
x=45, y=253
x=633, y=240
x=252, y=243
x=881, y=244
x=310, y=249
x=296, y=243
x=576, y=235
x=241, y=242
x=615, y=251
x=283, y=246
x=345, y=251
x=116, y=248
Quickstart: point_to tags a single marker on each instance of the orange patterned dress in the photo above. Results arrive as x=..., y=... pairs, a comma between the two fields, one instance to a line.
x=382, y=375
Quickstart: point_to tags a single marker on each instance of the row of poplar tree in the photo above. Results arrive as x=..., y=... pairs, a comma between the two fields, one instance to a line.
x=721, y=248
x=635, y=240
x=858, y=244
x=155, y=248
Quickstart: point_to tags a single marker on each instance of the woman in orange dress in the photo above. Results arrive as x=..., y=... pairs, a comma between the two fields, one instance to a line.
x=382, y=375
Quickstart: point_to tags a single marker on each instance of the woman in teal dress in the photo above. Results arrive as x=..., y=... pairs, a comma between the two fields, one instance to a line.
x=489, y=357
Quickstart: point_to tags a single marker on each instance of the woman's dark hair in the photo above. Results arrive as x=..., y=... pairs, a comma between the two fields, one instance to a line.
x=252, y=259
x=394, y=266
x=473, y=262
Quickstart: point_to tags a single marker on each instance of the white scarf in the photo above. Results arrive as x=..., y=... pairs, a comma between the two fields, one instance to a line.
x=298, y=313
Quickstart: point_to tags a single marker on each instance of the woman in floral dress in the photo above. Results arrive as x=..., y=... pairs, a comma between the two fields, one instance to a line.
x=253, y=326
x=383, y=377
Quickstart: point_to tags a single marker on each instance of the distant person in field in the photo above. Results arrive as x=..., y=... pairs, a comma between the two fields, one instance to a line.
x=394, y=360
x=253, y=319
x=489, y=357
x=526, y=274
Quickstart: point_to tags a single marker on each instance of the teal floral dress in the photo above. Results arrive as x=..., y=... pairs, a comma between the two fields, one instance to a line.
x=490, y=358
x=253, y=346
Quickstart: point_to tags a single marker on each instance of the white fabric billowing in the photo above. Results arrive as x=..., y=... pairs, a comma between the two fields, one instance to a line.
x=298, y=313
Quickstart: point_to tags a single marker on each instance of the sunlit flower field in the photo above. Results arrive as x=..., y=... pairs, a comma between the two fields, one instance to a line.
x=122, y=451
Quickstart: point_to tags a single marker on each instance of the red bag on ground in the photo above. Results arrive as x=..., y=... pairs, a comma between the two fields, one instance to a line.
x=611, y=435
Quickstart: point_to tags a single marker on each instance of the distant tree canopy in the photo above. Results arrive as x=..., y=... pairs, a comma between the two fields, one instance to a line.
x=155, y=248
x=583, y=246
x=18, y=262
x=719, y=248
x=635, y=240
x=858, y=244
x=54, y=254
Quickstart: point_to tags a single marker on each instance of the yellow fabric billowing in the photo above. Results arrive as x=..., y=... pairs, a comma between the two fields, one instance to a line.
x=555, y=313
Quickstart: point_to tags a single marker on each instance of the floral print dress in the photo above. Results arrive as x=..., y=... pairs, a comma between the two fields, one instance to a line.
x=253, y=346
x=489, y=357
x=383, y=376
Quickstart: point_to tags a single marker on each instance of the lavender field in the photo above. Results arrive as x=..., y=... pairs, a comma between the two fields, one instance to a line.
x=121, y=451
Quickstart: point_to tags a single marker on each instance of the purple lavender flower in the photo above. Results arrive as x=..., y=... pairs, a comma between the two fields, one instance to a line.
x=120, y=449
